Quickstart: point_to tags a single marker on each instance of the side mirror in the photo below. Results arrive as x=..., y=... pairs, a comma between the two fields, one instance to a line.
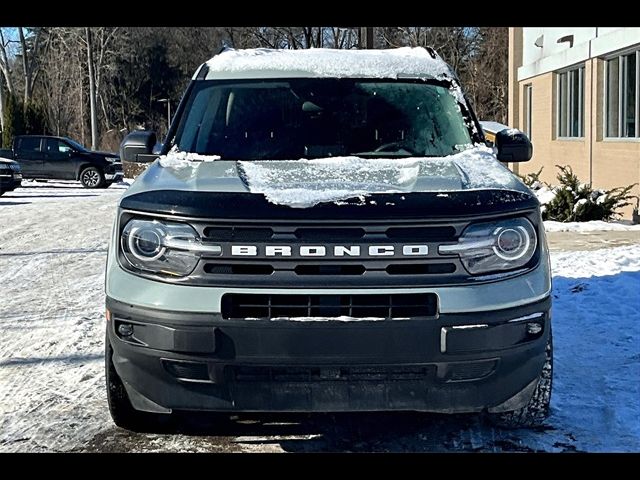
x=138, y=147
x=513, y=146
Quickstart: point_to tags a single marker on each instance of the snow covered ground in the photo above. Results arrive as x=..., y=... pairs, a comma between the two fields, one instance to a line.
x=592, y=226
x=52, y=398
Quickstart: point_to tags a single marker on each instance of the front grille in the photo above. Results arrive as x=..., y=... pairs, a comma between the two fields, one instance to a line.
x=329, y=269
x=345, y=254
x=385, y=306
x=238, y=269
x=238, y=234
x=332, y=374
x=431, y=234
x=329, y=234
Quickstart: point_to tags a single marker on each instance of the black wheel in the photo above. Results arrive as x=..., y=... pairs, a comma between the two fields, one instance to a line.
x=534, y=413
x=122, y=412
x=92, y=177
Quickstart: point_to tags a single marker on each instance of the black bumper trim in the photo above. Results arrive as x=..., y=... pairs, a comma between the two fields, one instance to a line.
x=344, y=362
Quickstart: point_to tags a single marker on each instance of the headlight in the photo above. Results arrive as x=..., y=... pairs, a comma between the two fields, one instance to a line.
x=163, y=247
x=495, y=246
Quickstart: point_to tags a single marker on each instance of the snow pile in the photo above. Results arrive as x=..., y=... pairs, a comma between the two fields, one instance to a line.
x=324, y=62
x=591, y=226
x=544, y=194
x=305, y=183
x=178, y=159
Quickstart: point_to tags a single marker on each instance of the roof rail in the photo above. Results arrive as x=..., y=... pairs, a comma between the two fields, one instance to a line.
x=432, y=52
x=204, y=68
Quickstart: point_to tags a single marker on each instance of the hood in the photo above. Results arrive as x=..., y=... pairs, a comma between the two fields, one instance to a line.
x=107, y=155
x=7, y=161
x=305, y=183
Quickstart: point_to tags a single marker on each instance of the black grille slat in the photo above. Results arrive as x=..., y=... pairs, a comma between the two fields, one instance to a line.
x=329, y=234
x=421, y=269
x=335, y=374
x=330, y=269
x=238, y=306
x=238, y=269
x=238, y=234
x=429, y=234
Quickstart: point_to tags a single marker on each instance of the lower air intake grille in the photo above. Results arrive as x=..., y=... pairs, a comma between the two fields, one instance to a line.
x=336, y=374
x=238, y=306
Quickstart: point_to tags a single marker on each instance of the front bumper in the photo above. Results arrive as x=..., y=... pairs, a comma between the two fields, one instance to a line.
x=457, y=362
x=114, y=177
x=9, y=182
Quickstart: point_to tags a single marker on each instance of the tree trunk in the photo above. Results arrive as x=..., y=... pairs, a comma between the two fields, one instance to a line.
x=25, y=68
x=1, y=109
x=92, y=92
x=4, y=63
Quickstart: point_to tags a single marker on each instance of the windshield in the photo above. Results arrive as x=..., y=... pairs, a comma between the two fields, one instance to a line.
x=75, y=144
x=312, y=118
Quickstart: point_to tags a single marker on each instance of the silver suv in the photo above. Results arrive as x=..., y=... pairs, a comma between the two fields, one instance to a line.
x=328, y=230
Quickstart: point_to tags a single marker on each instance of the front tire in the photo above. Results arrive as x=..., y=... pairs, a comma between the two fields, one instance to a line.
x=122, y=412
x=534, y=413
x=92, y=177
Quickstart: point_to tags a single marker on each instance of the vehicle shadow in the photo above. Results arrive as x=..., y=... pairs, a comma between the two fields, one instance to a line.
x=55, y=195
x=18, y=361
x=338, y=432
x=54, y=252
x=14, y=203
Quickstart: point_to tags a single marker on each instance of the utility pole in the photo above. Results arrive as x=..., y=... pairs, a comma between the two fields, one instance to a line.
x=92, y=91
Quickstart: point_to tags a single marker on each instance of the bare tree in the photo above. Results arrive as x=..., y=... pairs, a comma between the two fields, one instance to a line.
x=30, y=56
x=5, y=67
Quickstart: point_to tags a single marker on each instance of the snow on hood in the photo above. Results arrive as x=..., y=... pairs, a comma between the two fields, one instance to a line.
x=325, y=62
x=305, y=183
x=177, y=159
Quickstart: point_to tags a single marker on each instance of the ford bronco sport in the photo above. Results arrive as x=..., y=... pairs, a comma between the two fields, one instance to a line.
x=328, y=231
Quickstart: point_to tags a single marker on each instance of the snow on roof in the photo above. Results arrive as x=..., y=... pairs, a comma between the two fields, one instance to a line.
x=492, y=127
x=325, y=62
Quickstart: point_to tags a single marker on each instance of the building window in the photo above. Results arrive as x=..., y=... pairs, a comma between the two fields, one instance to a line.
x=528, y=97
x=570, y=105
x=622, y=96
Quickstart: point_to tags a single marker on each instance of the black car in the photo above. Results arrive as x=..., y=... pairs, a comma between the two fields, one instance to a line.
x=60, y=158
x=10, y=175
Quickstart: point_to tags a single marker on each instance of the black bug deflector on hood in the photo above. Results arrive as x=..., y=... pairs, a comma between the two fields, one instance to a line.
x=242, y=205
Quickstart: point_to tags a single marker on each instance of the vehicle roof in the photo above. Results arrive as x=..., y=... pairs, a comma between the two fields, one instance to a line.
x=45, y=136
x=493, y=127
x=417, y=62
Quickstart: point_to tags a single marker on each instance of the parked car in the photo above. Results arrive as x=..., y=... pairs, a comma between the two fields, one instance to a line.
x=60, y=158
x=327, y=230
x=10, y=175
x=491, y=129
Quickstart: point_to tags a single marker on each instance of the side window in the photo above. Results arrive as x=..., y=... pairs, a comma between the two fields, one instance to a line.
x=56, y=147
x=29, y=144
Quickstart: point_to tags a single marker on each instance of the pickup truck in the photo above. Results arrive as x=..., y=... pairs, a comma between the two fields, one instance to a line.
x=60, y=158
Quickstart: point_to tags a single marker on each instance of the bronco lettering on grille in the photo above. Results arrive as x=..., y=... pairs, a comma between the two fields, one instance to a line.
x=323, y=251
